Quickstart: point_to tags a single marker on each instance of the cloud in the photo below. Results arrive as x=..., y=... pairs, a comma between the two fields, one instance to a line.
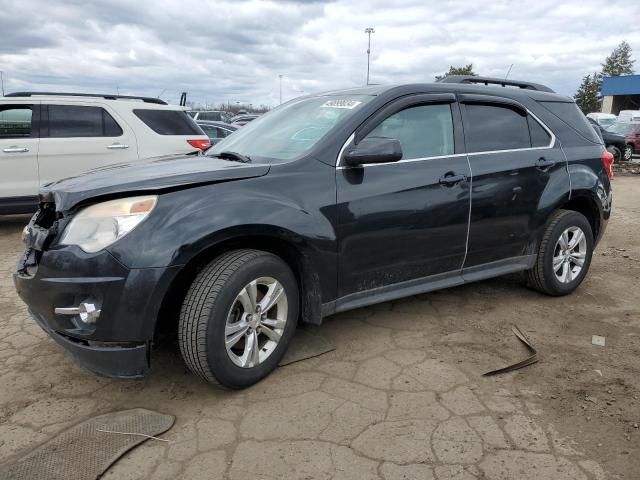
x=228, y=51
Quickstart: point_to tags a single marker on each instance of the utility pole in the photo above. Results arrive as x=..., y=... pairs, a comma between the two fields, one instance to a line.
x=2, y=81
x=369, y=31
x=280, y=88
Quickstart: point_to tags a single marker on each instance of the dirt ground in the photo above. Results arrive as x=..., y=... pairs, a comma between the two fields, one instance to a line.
x=401, y=397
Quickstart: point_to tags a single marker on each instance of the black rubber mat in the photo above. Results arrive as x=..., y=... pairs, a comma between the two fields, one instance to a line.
x=83, y=452
x=306, y=343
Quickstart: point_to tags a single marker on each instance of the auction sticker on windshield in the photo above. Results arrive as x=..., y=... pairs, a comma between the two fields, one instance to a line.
x=350, y=104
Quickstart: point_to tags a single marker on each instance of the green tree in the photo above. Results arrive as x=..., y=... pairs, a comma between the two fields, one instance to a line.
x=619, y=62
x=587, y=95
x=466, y=70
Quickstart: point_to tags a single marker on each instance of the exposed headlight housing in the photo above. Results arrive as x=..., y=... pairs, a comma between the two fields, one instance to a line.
x=100, y=225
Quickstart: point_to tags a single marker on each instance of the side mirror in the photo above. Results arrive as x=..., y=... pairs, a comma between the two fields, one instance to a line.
x=373, y=150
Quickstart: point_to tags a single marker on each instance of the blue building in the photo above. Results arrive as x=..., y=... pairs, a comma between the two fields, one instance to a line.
x=620, y=93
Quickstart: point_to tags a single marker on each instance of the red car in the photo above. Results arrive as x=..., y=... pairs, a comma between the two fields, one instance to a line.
x=631, y=132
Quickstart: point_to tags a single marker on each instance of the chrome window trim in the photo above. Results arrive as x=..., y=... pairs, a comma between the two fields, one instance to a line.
x=552, y=143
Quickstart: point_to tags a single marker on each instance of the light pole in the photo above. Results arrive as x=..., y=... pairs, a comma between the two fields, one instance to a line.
x=280, y=88
x=2, y=81
x=369, y=31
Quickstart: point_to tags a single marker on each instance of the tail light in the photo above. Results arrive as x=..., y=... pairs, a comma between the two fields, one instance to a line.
x=201, y=144
x=607, y=161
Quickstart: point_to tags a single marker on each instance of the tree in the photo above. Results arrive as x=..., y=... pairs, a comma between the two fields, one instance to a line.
x=466, y=70
x=619, y=62
x=587, y=95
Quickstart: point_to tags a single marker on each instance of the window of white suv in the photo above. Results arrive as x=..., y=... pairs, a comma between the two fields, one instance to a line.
x=15, y=121
x=169, y=122
x=69, y=121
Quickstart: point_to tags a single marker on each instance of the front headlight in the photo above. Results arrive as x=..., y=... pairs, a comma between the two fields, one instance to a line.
x=98, y=226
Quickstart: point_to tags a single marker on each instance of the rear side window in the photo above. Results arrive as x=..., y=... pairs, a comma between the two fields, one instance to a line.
x=210, y=116
x=169, y=122
x=15, y=121
x=539, y=136
x=570, y=114
x=495, y=127
x=68, y=121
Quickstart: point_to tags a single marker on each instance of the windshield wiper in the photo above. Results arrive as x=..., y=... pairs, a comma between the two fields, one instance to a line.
x=234, y=156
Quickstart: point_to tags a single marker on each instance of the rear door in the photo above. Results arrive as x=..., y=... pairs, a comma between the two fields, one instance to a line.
x=513, y=157
x=76, y=138
x=18, y=153
x=405, y=220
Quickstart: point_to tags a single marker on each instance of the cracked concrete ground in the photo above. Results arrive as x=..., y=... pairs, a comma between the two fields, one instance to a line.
x=401, y=397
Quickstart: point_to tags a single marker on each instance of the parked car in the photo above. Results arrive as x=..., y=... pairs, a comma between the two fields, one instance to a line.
x=627, y=116
x=631, y=132
x=325, y=204
x=604, y=119
x=241, y=120
x=49, y=136
x=614, y=142
x=216, y=131
x=210, y=115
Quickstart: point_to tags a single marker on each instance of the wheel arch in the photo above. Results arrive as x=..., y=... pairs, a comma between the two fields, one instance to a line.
x=582, y=202
x=285, y=245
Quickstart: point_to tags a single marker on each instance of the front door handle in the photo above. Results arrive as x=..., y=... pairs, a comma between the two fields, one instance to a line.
x=117, y=146
x=15, y=150
x=450, y=179
x=544, y=165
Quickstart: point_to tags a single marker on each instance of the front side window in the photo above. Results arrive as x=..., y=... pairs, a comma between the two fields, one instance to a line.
x=423, y=131
x=68, y=121
x=15, y=121
x=495, y=127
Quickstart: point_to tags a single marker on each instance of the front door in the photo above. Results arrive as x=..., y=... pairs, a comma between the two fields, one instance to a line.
x=512, y=157
x=405, y=220
x=18, y=155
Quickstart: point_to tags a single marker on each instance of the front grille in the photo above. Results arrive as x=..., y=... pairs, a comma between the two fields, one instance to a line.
x=38, y=234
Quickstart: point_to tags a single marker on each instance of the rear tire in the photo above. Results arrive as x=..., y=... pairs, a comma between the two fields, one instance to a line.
x=616, y=152
x=221, y=332
x=564, y=255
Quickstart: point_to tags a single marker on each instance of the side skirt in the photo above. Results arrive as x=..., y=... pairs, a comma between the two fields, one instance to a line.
x=428, y=284
x=16, y=205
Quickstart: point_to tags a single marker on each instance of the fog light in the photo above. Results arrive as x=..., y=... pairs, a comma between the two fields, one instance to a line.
x=87, y=312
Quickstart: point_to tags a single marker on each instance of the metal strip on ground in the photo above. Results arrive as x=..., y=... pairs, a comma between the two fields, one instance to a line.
x=83, y=452
x=531, y=359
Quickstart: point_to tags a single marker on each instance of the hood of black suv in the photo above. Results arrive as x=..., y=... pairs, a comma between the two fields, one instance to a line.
x=154, y=175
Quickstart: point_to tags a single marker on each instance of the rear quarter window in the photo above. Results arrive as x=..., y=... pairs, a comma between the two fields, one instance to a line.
x=169, y=122
x=571, y=115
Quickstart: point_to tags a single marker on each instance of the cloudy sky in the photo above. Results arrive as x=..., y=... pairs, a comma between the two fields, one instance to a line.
x=230, y=51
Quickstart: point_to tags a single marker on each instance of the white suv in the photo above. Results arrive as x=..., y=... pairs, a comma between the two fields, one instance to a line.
x=46, y=137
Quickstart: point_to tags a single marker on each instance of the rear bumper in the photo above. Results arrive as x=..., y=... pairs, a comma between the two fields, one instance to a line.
x=129, y=300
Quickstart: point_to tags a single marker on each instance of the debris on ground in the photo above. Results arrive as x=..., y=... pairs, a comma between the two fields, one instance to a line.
x=597, y=340
x=531, y=359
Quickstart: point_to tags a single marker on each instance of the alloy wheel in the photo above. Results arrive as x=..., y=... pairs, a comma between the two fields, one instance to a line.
x=256, y=321
x=569, y=254
x=628, y=153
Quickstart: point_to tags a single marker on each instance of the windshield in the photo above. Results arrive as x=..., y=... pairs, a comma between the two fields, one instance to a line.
x=605, y=122
x=623, y=128
x=289, y=131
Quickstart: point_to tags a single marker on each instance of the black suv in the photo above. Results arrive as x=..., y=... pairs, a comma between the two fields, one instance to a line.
x=327, y=203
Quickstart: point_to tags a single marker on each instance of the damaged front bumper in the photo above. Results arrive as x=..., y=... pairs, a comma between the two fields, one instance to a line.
x=58, y=281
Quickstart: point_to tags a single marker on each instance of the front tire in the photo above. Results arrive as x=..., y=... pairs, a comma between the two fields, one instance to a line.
x=237, y=318
x=564, y=256
x=628, y=153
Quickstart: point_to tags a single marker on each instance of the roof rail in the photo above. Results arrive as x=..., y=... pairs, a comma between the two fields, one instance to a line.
x=92, y=95
x=495, y=81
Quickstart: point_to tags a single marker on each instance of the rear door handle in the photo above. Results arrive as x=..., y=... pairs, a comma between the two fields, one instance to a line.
x=449, y=179
x=15, y=150
x=544, y=165
x=117, y=146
